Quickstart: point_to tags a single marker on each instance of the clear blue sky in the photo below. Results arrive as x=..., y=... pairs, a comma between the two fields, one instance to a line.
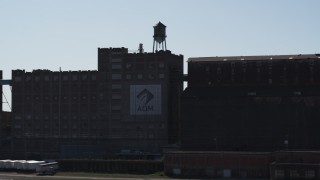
x=48, y=34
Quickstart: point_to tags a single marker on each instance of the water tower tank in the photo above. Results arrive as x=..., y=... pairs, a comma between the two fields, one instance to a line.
x=159, y=36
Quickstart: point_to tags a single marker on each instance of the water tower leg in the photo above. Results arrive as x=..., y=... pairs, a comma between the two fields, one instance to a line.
x=165, y=44
x=153, y=46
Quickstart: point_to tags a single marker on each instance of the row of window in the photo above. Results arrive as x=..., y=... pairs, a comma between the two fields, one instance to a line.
x=64, y=118
x=139, y=76
x=55, y=118
x=258, y=79
x=63, y=97
x=137, y=66
x=57, y=77
x=218, y=70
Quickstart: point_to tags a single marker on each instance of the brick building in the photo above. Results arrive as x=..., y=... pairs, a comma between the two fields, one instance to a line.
x=231, y=164
x=52, y=109
x=129, y=104
x=5, y=124
x=125, y=77
x=252, y=103
x=1, y=91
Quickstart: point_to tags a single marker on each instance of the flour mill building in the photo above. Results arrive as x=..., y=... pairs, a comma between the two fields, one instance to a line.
x=129, y=104
x=252, y=103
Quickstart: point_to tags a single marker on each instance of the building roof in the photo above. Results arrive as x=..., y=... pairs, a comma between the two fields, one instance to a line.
x=159, y=24
x=264, y=57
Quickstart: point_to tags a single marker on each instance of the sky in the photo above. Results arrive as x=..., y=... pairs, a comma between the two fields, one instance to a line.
x=49, y=34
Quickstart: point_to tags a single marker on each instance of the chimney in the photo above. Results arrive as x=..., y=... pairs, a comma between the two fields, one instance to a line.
x=140, y=48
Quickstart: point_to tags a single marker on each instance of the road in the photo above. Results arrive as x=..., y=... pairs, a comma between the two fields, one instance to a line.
x=18, y=176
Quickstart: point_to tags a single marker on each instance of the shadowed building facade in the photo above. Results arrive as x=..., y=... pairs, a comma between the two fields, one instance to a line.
x=140, y=93
x=252, y=103
x=1, y=91
x=54, y=112
x=129, y=104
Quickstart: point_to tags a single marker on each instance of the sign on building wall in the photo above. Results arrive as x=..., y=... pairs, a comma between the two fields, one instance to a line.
x=145, y=99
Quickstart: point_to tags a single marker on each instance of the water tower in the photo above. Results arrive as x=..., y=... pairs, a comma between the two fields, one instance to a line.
x=159, y=37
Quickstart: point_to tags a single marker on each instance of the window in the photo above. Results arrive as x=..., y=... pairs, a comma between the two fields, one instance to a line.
x=310, y=174
x=297, y=93
x=65, y=78
x=17, y=79
x=116, y=117
x=116, y=86
x=258, y=70
x=139, y=76
x=139, y=67
x=128, y=76
x=150, y=76
x=116, y=66
x=161, y=76
x=116, y=96
x=128, y=66
x=84, y=77
x=161, y=65
x=294, y=174
x=28, y=78
x=17, y=126
x=46, y=78
x=56, y=78
x=94, y=77
x=46, y=97
x=17, y=117
x=219, y=72
x=161, y=125
x=116, y=60
x=116, y=76
x=151, y=66
x=151, y=136
x=116, y=108
x=74, y=77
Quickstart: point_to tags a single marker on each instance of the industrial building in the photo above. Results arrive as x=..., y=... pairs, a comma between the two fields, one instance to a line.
x=240, y=116
x=235, y=164
x=5, y=122
x=51, y=109
x=140, y=95
x=1, y=92
x=129, y=105
x=250, y=117
x=252, y=103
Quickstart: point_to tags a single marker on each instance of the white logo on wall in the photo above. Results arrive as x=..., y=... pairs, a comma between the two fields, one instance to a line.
x=145, y=99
